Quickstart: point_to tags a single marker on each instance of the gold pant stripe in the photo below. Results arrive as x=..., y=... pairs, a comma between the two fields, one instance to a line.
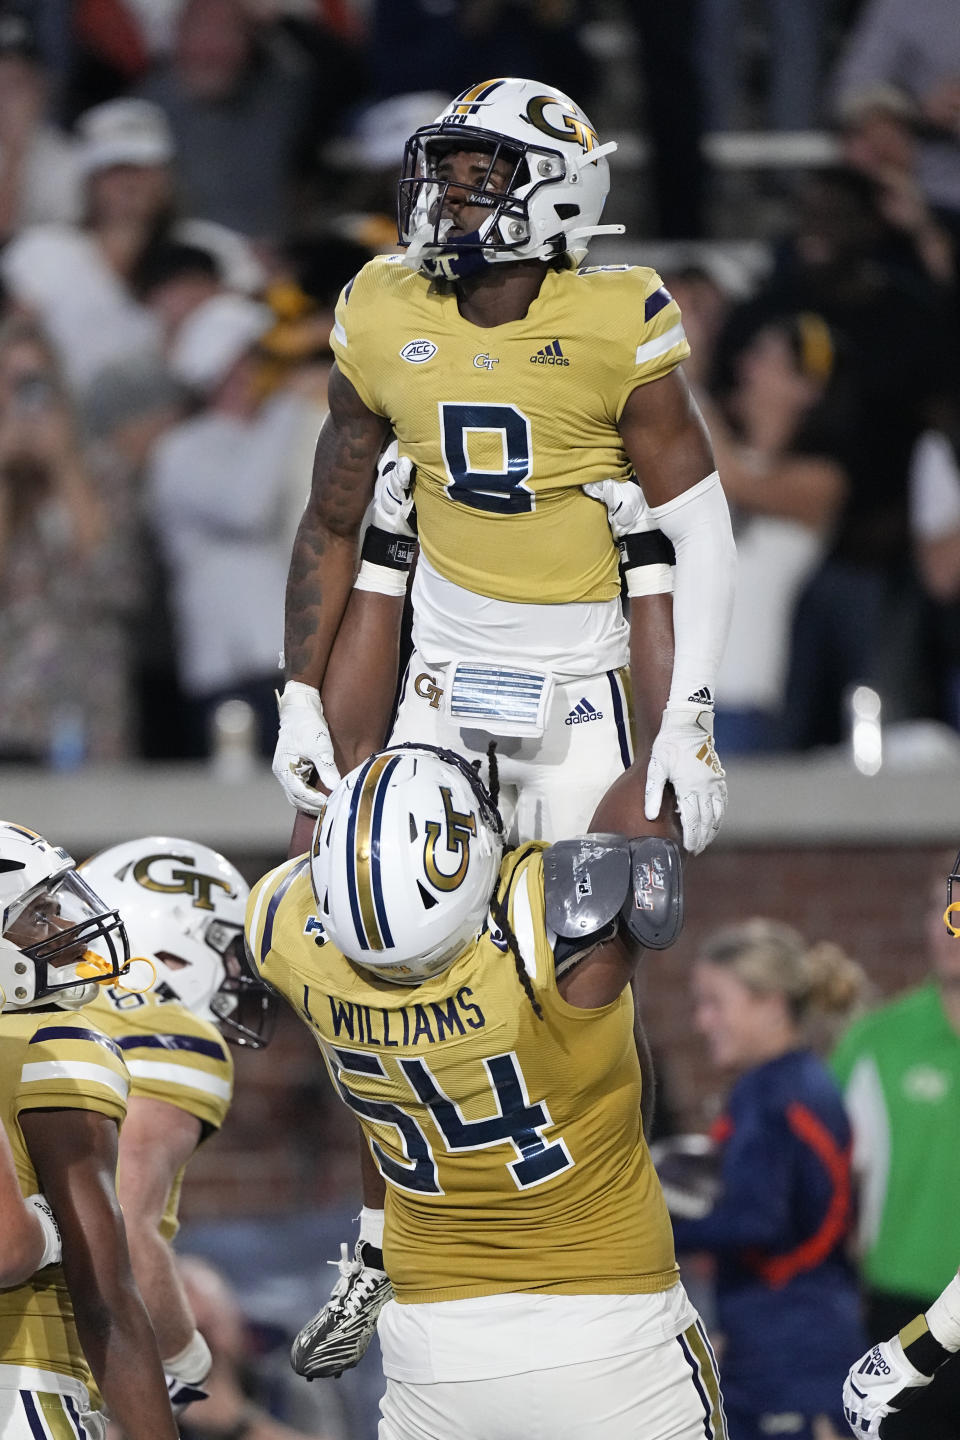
x=702, y=1352
x=55, y=1414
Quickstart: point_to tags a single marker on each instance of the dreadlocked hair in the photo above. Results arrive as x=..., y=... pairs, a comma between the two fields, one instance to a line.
x=498, y=907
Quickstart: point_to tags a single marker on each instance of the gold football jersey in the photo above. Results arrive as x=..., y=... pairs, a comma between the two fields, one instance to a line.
x=59, y=1060
x=511, y=1146
x=172, y=1055
x=506, y=424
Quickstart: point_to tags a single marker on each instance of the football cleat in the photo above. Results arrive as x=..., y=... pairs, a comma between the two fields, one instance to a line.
x=337, y=1338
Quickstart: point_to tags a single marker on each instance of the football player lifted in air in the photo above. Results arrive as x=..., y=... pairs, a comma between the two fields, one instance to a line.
x=182, y=906
x=474, y=1011
x=531, y=394
x=512, y=378
x=63, y=1088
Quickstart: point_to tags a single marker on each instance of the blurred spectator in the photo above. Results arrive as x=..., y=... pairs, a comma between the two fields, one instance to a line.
x=79, y=280
x=219, y=499
x=65, y=576
x=935, y=530
x=704, y=302
x=237, y=95
x=914, y=46
x=795, y=49
x=879, y=138
x=776, y=454
x=900, y=1072
x=234, y=1407
x=39, y=173
x=367, y=162
x=859, y=618
x=787, y=1303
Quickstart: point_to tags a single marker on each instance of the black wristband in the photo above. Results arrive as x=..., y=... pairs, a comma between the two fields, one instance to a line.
x=922, y=1348
x=382, y=547
x=649, y=547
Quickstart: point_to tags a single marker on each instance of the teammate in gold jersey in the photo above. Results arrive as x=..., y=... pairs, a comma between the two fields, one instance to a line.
x=182, y=906
x=474, y=1012
x=513, y=378
x=63, y=1089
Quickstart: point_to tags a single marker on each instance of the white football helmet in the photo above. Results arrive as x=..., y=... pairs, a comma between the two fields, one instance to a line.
x=57, y=938
x=404, y=861
x=550, y=205
x=183, y=907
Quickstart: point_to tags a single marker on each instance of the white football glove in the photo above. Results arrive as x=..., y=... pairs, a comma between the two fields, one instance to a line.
x=683, y=755
x=627, y=510
x=51, y=1230
x=303, y=760
x=392, y=500
x=878, y=1385
x=186, y=1373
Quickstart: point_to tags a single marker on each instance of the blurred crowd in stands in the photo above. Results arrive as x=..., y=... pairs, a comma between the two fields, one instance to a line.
x=186, y=185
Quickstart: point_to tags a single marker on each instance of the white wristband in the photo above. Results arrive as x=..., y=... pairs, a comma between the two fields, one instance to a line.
x=943, y=1317
x=381, y=578
x=649, y=580
x=192, y=1363
x=51, y=1231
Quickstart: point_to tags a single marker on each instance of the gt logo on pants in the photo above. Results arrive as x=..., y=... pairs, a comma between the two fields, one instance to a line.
x=428, y=689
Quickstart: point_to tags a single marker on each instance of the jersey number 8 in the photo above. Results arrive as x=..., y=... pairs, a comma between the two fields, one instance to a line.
x=498, y=491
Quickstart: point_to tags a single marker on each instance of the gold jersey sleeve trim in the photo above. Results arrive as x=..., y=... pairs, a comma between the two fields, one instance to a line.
x=180, y=1076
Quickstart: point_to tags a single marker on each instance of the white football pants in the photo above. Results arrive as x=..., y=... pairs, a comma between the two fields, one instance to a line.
x=47, y=1415
x=668, y=1391
x=549, y=785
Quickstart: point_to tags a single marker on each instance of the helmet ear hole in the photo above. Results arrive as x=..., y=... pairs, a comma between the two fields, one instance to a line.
x=413, y=827
x=428, y=900
x=566, y=211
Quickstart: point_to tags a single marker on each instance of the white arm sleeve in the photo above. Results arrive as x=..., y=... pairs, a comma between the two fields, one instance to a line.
x=698, y=524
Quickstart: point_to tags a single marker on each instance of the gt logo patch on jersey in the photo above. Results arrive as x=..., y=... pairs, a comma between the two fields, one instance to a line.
x=485, y=362
x=416, y=352
x=180, y=882
x=460, y=829
x=427, y=688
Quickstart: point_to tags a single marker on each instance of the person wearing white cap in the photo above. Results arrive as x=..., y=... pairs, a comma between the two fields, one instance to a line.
x=77, y=279
x=217, y=494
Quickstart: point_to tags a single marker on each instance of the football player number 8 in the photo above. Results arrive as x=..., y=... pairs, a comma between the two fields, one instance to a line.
x=516, y=1120
x=501, y=490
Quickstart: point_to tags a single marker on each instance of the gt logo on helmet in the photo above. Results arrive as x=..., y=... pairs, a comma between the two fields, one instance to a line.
x=181, y=882
x=460, y=829
x=573, y=127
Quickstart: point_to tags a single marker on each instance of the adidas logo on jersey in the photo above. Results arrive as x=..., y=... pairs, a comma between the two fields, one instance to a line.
x=583, y=712
x=550, y=355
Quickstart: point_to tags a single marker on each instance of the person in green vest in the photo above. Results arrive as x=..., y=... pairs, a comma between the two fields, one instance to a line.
x=899, y=1068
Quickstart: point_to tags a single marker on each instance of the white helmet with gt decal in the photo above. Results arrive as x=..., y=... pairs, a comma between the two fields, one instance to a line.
x=404, y=861
x=183, y=906
x=550, y=202
x=57, y=937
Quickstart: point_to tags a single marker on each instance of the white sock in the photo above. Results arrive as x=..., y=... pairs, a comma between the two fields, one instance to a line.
x=943, y=1317
x=371, y=1227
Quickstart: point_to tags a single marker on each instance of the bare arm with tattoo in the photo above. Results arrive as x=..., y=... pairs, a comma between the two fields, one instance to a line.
x=324, y=559
x=322, y=570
